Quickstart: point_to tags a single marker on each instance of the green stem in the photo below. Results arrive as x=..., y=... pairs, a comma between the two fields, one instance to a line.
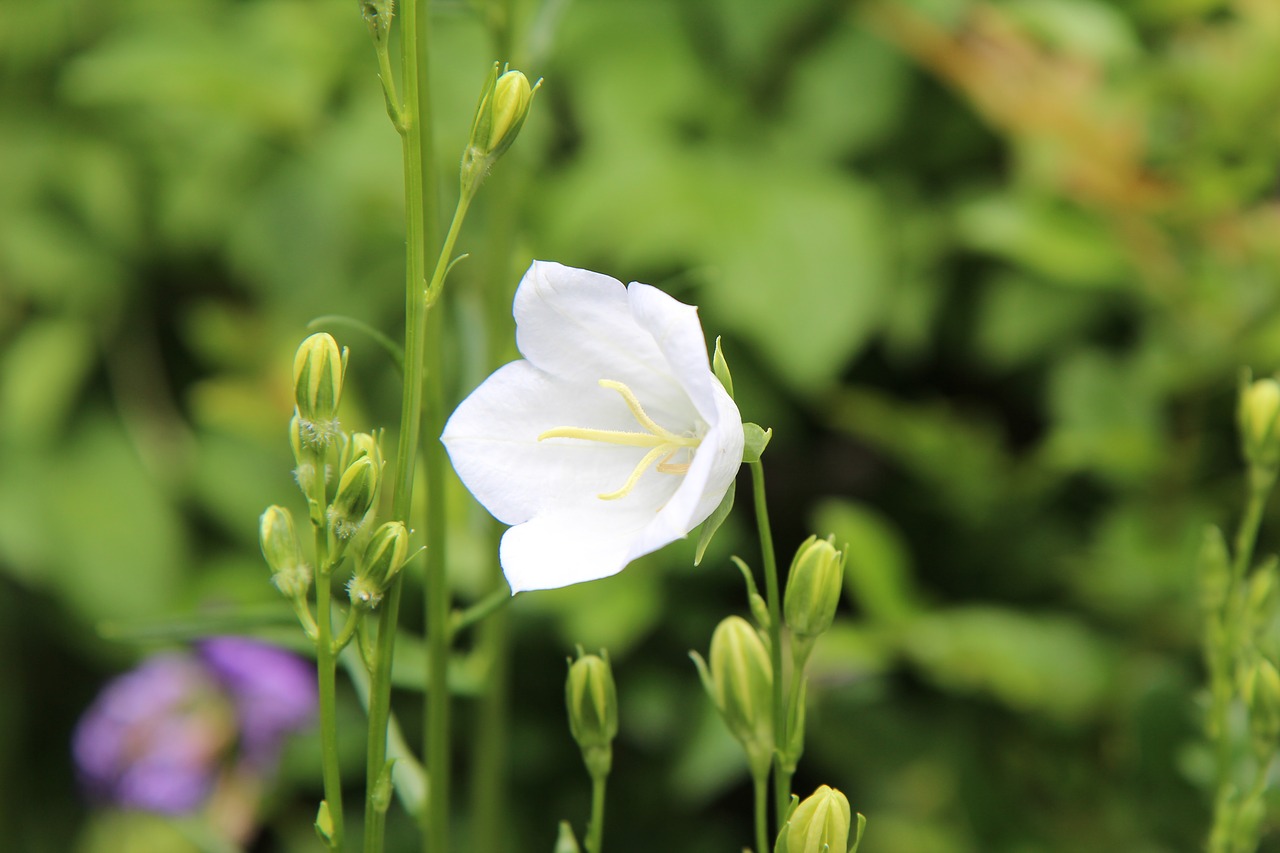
x=326, y=668
x=413, y=121
x=785, y=769
x=499, y=598
x=762, y=813
x=1226, y=802
x=595, y=830
x=437, y=606
x=782, y=789
x=348, y=631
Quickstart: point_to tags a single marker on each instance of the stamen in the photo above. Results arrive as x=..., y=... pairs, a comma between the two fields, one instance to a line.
x=664, y=444
x=634, y=478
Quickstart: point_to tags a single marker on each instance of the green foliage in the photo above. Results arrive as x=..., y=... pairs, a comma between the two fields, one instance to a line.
x=988, y=268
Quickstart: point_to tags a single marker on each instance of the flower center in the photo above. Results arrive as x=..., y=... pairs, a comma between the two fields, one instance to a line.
x=664, y=444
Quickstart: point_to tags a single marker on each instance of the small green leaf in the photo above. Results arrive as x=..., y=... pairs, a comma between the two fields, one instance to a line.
x=324, y=823
x=759, y=610
x=857, y=833
x=713, y=522
x=756, y=440
x=721, y=368
x=381, y=798
x=565, y=840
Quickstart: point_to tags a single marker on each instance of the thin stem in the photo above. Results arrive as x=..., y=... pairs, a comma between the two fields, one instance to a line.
x=436, y=723
x=354, y=617
x=499, y=598
x=412, y=120
x=762, y=813
x=785, y=769
x=326, y=668
x=595, y=829
x=436, y=591
x=782, y=789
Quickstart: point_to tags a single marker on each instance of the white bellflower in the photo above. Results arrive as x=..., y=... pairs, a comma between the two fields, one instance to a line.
x=609, y=440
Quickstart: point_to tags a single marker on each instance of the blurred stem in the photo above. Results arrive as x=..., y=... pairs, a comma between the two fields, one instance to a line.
x=412, y=120
x=436, y=722
x=782, y=781
x=762, y=812
x=327, y=676
x=489, y=756
x=1223, y=690
x=595, y=830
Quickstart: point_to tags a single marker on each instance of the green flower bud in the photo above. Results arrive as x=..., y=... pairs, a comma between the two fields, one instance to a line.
x=1259, y=408
x=378, y=566
x=813, y=587
x=360, y=444
x=318, y=368
x=818, y=825
x=739, y=681
x=592, y=701
x=377, y=16
x=1261, y=691
x=504, y=105
x=356, y=492
x=280, y=547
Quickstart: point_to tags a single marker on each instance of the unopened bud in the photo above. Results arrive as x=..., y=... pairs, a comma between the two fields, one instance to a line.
x=592, y=702
x=356, y=491
x=360, y=444
x=818, y=825
x=813, y=587
x=318, y=368
x=280, y=547
x=377, y=16
x=739, y=681
x=1261, y=691
x=1259, y=408
x=378, y=566
x=504, y=105
x=1214, y=570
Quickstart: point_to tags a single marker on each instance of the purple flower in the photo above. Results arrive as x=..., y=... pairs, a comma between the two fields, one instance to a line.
x=274, y=692
x=161, y=737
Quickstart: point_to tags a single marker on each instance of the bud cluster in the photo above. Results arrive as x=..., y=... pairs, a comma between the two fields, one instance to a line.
x=342, y=513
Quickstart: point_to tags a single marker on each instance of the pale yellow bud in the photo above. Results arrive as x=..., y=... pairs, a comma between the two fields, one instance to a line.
x=592, y=701
x=819, y=824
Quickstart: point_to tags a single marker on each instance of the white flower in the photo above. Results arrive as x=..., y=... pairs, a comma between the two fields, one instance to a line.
x=609, y=440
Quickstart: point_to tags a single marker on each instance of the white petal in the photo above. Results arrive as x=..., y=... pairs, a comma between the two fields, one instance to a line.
x=677, y=332
x=578, y=326
x=492, y=439
x=714, y=467
x=559, y=549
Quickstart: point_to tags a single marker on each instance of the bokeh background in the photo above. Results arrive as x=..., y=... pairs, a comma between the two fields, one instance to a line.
x=989, y=269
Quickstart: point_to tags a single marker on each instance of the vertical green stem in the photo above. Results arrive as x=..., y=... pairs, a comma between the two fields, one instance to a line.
x=436, y=722
x=327, y=673
x=762, y=813
x=782, y=785
x=414, y=127
x=595, y=830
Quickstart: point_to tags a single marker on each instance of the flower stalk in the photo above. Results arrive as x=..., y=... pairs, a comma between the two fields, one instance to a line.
x=782, y=778
x=412, y=120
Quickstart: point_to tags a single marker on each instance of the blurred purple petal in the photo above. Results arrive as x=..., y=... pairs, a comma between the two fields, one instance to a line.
x=153, y=737
x=274, y=691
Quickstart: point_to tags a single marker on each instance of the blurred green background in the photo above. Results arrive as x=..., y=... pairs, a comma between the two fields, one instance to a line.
x=989, y=269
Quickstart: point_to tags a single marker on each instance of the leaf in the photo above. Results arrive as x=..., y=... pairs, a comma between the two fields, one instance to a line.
x=713, y=522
